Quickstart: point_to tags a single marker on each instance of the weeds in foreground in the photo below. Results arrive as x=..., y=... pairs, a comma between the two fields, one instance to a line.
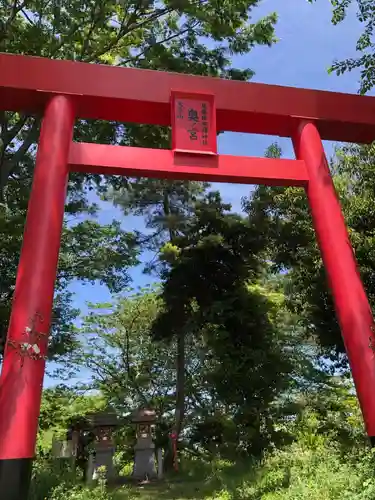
x=299, y=472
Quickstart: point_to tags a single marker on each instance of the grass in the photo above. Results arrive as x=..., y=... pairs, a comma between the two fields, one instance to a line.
x=298, y=473
x=165, y=491
x=318, y=471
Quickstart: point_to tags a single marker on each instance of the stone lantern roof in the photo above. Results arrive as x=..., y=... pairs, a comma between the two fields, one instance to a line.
x=144, y=416
x=104, y=419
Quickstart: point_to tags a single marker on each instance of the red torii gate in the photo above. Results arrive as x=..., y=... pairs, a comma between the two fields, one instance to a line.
x=65, y=90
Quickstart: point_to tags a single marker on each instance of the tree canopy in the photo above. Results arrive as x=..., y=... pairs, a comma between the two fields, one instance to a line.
x=365, y=61
x=284, y=222
x=194, y=36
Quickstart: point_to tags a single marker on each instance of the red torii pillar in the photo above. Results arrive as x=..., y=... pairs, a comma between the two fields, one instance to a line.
x=353, y=310
x=23, y=367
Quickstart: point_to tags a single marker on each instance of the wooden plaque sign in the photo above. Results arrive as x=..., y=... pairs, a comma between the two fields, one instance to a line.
x=193, y=123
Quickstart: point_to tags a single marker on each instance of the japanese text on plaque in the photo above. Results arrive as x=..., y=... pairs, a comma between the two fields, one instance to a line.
x=195, y=118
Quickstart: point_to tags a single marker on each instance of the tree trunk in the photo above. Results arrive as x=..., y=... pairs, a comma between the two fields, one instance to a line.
x=180, y=363
x=180, y=383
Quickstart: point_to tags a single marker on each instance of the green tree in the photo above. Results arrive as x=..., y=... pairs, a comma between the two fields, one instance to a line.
x=167, y=208
x=192, y=36
x=229, y=408
x=60, y=407
x=89, y=252
x=207, y=294
x=117, y=350
x=129, y=369
x=283, y=217
x=146, y=34
x=365, y=44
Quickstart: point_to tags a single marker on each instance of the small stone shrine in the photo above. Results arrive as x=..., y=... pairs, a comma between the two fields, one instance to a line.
x=144, y=459
x=103, y=425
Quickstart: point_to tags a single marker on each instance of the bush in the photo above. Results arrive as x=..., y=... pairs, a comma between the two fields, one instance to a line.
x=49, y=474
x=56, y=480
x=299, y=473
x=311, y=469
x=316, y=467
x=316, y=474
x=66, y=492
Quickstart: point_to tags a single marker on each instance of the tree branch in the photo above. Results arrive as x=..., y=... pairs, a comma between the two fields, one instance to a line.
x=9, y=165
x=165, y=40
x=112, y=44
x=27, y=17
x=95, y=20
x=3, y=123
x=15, y=10
x=126, y=29
x=65, y=39
x=11, y=133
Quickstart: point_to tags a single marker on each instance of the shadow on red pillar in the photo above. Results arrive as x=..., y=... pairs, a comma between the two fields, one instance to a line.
x=27, y=342
x=352, y=307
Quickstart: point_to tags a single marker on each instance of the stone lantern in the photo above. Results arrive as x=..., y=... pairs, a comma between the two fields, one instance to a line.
x=103, y=426
x=144, y=459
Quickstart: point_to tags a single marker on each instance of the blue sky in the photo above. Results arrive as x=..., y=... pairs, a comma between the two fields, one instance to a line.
x=308, y=43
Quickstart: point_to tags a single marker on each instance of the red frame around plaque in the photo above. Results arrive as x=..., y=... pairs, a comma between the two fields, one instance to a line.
x=193, y=119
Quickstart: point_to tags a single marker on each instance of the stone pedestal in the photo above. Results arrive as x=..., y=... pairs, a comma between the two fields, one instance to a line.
x=103, y=425
x=63, y=449
x=90, y=470
x=104, y=458
x=144, y=460
x=160, y=463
